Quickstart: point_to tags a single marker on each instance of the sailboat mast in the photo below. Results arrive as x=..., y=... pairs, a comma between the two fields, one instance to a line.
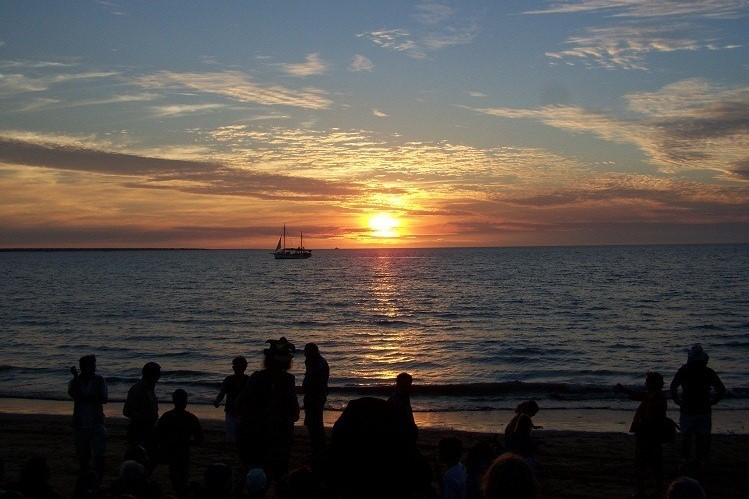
x=284, y=237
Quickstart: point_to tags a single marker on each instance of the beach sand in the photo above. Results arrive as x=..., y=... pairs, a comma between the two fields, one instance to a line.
x=572, y=463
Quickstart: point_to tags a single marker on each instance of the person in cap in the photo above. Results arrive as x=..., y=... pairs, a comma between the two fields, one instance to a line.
x=695, y=402
x=269, y=408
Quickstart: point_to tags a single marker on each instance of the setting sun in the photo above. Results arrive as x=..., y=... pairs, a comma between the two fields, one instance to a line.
x=383, y=225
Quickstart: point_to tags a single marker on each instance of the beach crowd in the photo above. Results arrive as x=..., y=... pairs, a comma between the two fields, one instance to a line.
x=372, y=451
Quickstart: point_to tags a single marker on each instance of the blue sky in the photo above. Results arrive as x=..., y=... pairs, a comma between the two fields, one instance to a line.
x=211, y=124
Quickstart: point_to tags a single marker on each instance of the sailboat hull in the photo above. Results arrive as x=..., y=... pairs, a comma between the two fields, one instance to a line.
x=292, y=255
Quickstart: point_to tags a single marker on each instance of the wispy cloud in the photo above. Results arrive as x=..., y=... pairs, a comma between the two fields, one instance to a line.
x=708, y=9
x=691, y=124
x=18, y=83
x=184, y=109
x=437, y=28
x=237, y=86
x=379, y=113
x=361, y=63
x=626, y=46
x=313, y=65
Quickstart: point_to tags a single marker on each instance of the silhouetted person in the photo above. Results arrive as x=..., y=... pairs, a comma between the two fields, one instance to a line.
x=315, y=389
x=269, y=408
x=231, y=387
x=521, y=442
x=35, y=480
x=528, y=408
x=372, y=454
x=509, y=476
x=685, y=488
x=133, y=481
x=454, y=480
x=178, y=429
x=142, y=409
x=217, y=483
x=695, y=402
x=479, y=458
x=647, y=426
x=401, y=400
x=89, y=393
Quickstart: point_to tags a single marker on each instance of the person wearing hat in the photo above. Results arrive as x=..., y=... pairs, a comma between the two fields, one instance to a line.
x=695, y=402
x=269, y=408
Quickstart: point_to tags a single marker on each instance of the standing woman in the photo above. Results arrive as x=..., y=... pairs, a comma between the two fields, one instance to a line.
x=647, y=425
x=269, y=408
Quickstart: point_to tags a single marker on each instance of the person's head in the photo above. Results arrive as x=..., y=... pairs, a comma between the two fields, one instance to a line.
x=151, y=372
x=685, y=488
x=311, y=350
x=509, y=476
x=529, y=407
x=279, y=354
x=217, y=480
x=449, y=450
x=239, y=364
x=87, y=364
x=138, y=454
x=131, y=473
x=301, y=483
x=403, y=382
x=256, y=482
x=697, y=356
x=654, y=381
x=179, y=397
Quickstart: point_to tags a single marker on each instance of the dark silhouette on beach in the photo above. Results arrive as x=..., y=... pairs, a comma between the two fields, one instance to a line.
x=528, y=408
x=178, y=430
x=35, y=480
x=373, y=454
x=401, y=400
x=89, y=393
x=142, y=410
x=454, y=482
x=231, y=387
x=269, y=408
x=695, y=404
x=509, y=476
x=315, y=390
x=647, y=425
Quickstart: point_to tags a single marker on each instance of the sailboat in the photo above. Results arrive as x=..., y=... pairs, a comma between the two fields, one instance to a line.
x=283, y=253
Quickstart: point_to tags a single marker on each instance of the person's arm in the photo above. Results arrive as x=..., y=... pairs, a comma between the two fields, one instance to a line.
x=720, y=389
x=220, y=396
x=674, y=388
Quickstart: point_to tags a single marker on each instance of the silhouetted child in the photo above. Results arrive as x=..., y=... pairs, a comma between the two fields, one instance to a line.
x=231, y=387
x=454, y=480
x=178, y=430
x=647, y=426
x=528, y=408
x=522, y=443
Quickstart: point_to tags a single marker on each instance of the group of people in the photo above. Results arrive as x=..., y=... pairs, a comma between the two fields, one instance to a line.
x=373, y=445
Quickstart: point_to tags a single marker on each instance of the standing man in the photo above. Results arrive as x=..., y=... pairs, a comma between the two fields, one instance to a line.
x=89, y=393
x=696, y=401
x=142, y=409
x=178, y=430
x=315, y=389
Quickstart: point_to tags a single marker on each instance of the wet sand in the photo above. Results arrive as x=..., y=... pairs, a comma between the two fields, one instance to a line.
x=572, y=463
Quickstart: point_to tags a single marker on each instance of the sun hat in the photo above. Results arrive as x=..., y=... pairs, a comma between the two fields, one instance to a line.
x=697, y=354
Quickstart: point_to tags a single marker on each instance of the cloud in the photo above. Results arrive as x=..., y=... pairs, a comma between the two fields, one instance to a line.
x=184, y=109
x=361, y=63
x=379, y=113
x=17, y=83
x=688, y=125
x=643, y=27
x=313, y=65
x=237, y=86
x=478, y=95
x=433, y=13
x=436, y=29
x=625, y=46
x=708, y=9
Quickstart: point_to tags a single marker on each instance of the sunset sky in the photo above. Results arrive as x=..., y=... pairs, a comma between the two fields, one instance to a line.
x=373, y=123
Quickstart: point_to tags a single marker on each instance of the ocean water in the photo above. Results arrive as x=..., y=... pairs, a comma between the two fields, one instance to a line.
x=479, y=329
